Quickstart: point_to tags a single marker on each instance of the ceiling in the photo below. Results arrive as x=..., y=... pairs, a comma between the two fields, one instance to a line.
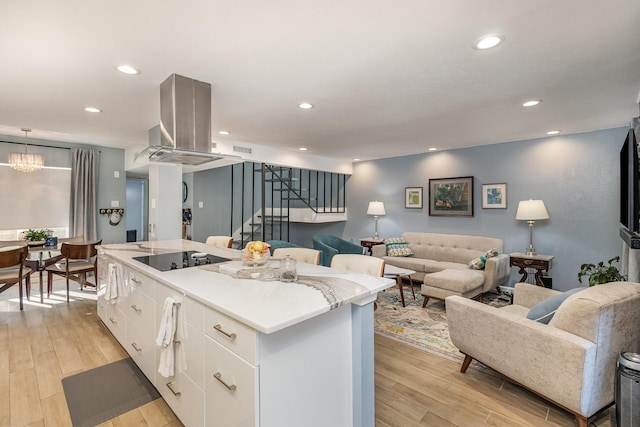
x=385, y=78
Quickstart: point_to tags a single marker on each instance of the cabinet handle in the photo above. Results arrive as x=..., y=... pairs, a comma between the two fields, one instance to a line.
x=231, y=336
x=135, y=347
x=133, y=279
x=136, y=308
x=175, y=393
x=218, y=376
x=112, y=320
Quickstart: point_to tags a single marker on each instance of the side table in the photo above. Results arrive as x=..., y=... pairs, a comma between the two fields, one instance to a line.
x=369, y=242
x=397, y=272
x=536, y=262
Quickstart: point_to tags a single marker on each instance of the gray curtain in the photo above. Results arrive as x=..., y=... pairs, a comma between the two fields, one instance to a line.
x=83, y=211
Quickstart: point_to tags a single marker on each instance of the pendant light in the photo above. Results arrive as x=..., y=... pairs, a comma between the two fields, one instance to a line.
x=26, y=162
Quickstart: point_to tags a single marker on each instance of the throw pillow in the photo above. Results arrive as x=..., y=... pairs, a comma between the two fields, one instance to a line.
x=398, y=246
x=544, y=310
x=478, y=263
x=492, y=252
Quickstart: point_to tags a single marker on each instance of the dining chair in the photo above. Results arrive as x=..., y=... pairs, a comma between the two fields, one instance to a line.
x=220, y=241
x=359, y=264
x=12, y=270
x=310, y=256
x=77, y=260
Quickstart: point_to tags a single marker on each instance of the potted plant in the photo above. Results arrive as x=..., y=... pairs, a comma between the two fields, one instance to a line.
x=35, y=237
x=601, y=273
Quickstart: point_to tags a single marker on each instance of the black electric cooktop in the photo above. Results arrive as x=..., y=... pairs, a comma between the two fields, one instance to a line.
x=177, y=260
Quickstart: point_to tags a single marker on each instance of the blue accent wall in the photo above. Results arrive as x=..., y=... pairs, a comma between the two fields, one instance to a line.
x=577, y=177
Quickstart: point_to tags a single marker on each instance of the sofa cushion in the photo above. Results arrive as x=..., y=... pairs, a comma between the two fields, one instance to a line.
x=398, y=247
x=543, y=311
x=460, y=281
x=450, y=247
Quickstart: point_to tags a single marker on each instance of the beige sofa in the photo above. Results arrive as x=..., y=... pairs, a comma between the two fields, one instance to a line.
x=572, y=360
x=441, y=262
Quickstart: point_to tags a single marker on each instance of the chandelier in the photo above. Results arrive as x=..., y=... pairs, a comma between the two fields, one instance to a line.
x=26, y=162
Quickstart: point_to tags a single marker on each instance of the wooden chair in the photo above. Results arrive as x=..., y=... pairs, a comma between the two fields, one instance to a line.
x=12, y=270
x=359, y=264
x=310, y=256
x=220, y=241
x=77, y=260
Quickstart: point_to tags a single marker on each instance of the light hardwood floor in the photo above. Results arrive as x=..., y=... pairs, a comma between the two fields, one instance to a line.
x=44, y=343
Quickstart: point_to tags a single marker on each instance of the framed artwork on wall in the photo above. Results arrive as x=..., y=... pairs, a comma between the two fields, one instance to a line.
x=451, y=196
x=494, y=196
x=413, y=197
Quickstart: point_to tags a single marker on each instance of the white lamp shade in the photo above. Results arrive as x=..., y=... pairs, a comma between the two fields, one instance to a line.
x=376, y=209
x=531, y=210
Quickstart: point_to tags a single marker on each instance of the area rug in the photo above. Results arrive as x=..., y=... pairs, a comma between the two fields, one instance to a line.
x=103, y=393
x=422, y=328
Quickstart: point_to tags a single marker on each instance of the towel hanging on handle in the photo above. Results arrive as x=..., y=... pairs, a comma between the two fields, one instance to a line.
x=116, y=286
x=170, y=334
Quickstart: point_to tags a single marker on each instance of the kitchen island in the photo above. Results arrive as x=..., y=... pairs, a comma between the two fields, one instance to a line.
x=258, y=352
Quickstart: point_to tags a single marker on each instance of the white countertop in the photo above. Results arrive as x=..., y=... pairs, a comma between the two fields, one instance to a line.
x=264, y=306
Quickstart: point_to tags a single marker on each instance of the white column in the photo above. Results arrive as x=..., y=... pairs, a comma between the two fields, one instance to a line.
x=165, y=201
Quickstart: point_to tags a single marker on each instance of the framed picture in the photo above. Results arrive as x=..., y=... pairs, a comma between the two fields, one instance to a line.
x=494, y=196
x=451, y=196
x=413, y=197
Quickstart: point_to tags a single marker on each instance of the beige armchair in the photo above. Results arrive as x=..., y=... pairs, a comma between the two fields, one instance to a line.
x=572, y=360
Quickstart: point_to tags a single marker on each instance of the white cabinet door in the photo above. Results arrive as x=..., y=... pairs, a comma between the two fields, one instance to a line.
x=184, y=397
x=231, y=385
x=232, y=334
x=142, y=348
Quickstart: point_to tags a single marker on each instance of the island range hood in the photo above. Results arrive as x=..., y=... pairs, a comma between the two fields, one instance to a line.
x=184, y=133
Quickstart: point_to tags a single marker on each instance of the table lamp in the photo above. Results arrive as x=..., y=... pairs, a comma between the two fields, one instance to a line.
x=531, y=211
x=376, y=209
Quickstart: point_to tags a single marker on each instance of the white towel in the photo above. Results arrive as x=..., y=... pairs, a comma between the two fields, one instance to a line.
x=170, y=334
x=116, y=286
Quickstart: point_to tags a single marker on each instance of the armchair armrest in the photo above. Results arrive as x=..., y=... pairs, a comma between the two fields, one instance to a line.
x=528, y=295
x=379, y=251
x=496, y=272
x=553, y=362
x=346, y=247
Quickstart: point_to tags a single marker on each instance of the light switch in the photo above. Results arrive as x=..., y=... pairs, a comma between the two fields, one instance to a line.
x=115, y=203
x=201, y=204
x=116, y=174
x=153, y=203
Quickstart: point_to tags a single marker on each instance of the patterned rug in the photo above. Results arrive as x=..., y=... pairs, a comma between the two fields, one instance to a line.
x=422, y=328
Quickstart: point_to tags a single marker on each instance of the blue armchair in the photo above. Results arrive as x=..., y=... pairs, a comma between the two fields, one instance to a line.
x=330, y=245
x=276, y=244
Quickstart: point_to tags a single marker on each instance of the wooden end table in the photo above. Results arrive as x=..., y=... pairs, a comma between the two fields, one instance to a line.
x=536, y=262
x=369, y=242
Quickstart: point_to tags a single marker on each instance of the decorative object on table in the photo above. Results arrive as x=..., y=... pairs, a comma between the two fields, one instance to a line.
x=494, y=196
x=451, y=196
x=36, y=237
x=376, y=209
x=115, y=214
x=26, y=162
x=51, y=242
x=256, y=253
x=288, y=269
x=413, y=198
x=600, y=274
x=531, y=211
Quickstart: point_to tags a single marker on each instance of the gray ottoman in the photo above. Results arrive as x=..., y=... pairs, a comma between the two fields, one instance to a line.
x=439, y=285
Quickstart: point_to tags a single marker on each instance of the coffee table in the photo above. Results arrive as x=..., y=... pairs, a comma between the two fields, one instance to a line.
x=398, y=272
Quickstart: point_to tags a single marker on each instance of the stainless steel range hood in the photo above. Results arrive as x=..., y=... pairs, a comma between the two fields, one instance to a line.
x=184, y=133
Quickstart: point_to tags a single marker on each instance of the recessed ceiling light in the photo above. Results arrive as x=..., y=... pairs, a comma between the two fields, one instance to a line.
x=224, y=132
x=433, y=149
x=128, y=69
x=488, y=41
x=305, y=106
x=92, y=109
x=532, y=103
x=302, y=148
x=356, y=159
x=553, y=132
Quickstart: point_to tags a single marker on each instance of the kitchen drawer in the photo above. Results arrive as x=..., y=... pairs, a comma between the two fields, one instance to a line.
x=140, y=281
x=142, y=348
x=184, y=397
x=192, y=311
x=231, y=399
x=232, y=334
x=140, y=310
x=116, y=322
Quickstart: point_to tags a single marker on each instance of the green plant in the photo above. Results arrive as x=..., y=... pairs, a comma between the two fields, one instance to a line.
x=599, y=274
x=34, y=235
